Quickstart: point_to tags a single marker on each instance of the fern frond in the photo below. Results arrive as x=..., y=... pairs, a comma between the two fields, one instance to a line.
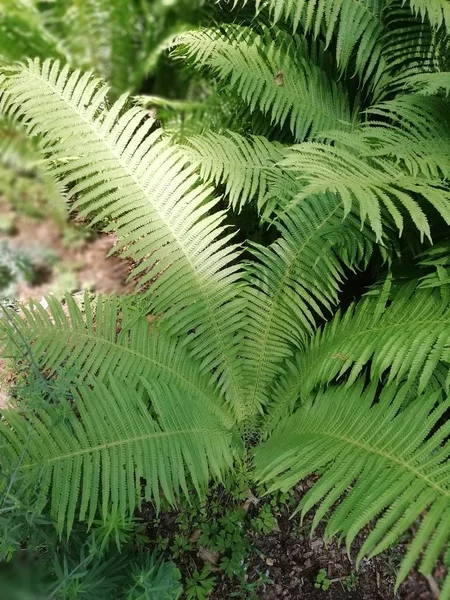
x=378, y=461
x=295, y=282
x=436, y=11
x=119, y=168
x=402, y=337
x=436, y=258
x=430, y=84
x=242, y=164
x=274, y=72
x=411, y=131
x=370, y=184
x=97, y=456
x=355, y=25
x=104, y=336
x=408, y=48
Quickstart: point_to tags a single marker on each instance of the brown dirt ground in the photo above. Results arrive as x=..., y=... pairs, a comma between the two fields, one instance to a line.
x=88, y=260
x=291, y=558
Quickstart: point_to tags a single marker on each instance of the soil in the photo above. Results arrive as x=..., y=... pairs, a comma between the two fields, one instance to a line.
x=83, y=258
x=290, y=559
x=86, y=258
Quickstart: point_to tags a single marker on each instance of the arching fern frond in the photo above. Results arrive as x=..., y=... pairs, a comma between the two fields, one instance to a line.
x=379, y=463
x=242, y=164
x=355, y=25
x=430, y=84
x=402, y=336
x=104, y=336
x=275, y=72
x=118, y=167
x=370, y=184
x=98, y=455
x=295, y=282
x=409, y=47
x=411, y=131
x=436, y=11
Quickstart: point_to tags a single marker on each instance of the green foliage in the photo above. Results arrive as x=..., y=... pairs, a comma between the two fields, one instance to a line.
x=200, y=585
x=155, y=579
x=243, y=165
x=329, y=120
x=385, y=449
x=281, y=75
x=322, y=582
x=264, y=522
x=16, y=267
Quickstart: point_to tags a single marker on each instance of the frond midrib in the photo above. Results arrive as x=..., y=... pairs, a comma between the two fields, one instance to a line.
x=127, y=441
x=209, y=312
x=391, y=458
x=274, y=303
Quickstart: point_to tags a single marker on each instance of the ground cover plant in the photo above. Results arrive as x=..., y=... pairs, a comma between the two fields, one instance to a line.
x=286, y=222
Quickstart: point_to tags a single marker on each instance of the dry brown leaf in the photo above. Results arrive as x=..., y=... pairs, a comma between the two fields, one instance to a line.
x=251, y=499
x=194, y=536
x=208, y=556
x=279, y=78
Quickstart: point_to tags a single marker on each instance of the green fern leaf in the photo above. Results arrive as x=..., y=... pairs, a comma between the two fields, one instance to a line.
x=430, y=84
x=411, y=131
x=402, y=337
x=408, y=48
x=101, y=338
x=372, y=185
x=379, y=462
x=355, y=25
x=294, y=283
x=119, y=167
x=99, y=454
x=436, y=11
x=274, y=72
x=243, y=165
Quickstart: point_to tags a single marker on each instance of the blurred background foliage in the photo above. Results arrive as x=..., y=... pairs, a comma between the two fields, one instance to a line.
x=124, y=43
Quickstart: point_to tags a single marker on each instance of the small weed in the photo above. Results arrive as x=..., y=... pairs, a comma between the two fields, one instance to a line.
x=322, y=582
x=265, y=522
x=180, y=546
x=350, y=583
x=201, y=584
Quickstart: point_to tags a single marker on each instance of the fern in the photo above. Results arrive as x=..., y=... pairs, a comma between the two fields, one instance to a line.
x=274, y=72
x=392, y=459
x=372, y=185
x=243, y=165
x=294, y=283
x=213, y=350
x=105, y=336
x=401, y=337
x=102, y=445
x=163, y=224
x=430, y=84
x=409, y=47
x=436, y=11
x=409, y=130
x=356, y=25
